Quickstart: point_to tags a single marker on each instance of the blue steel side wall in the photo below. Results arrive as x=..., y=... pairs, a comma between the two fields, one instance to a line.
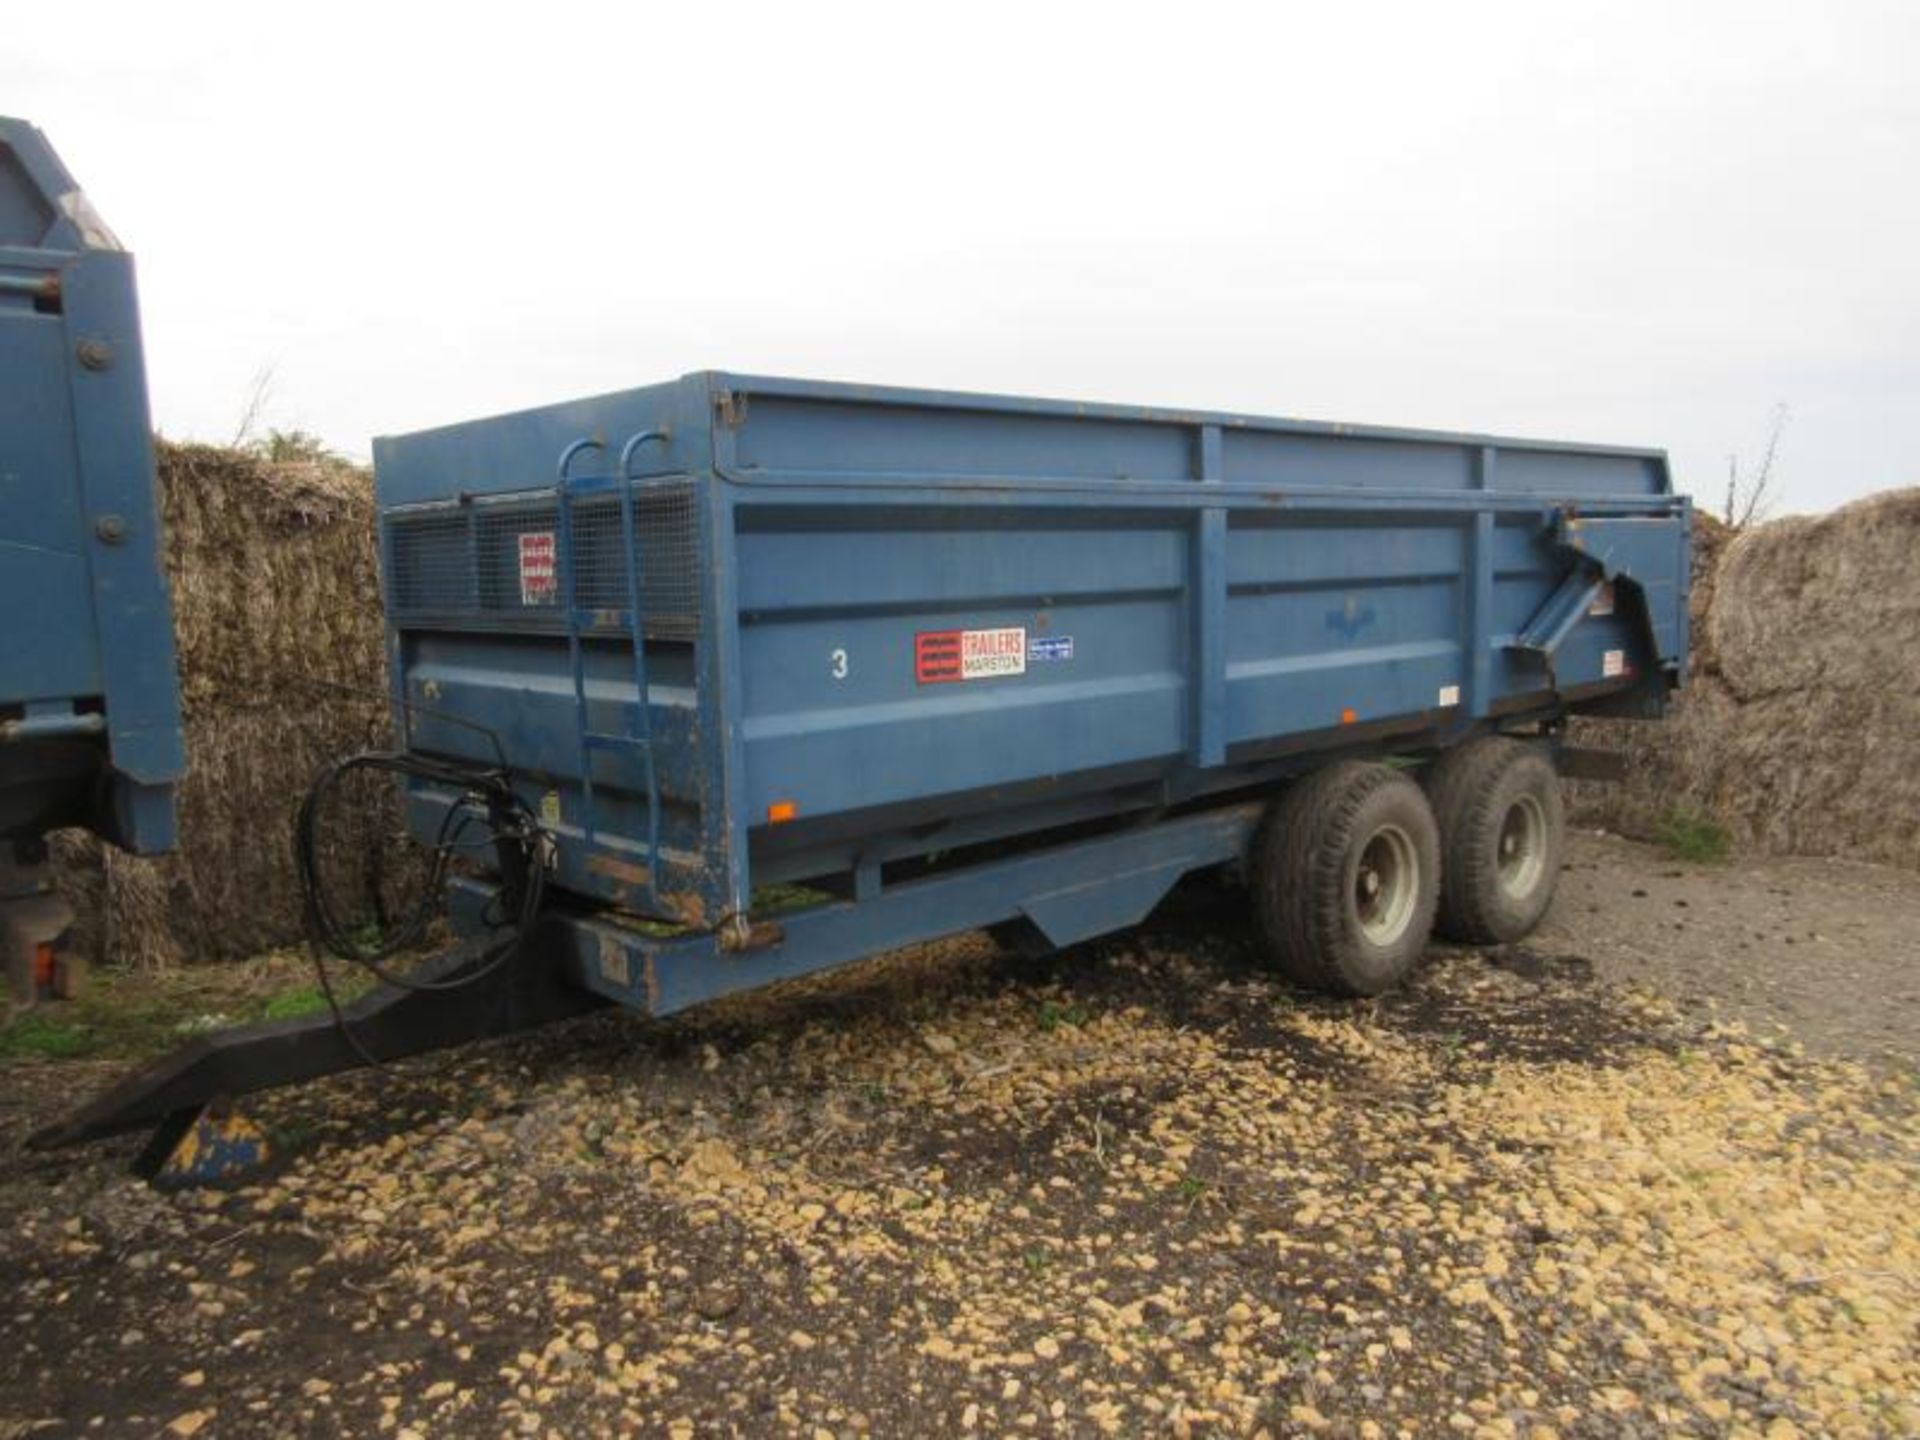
x=42, y=527
x=1327, y=621
x=80, y=541
x=1213, y=612
x=820, y=583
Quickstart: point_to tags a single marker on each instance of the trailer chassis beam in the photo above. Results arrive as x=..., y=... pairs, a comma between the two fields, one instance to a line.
x=1070, y=892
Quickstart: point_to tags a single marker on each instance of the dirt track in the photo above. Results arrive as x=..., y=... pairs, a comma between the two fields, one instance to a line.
x=1138, y=1188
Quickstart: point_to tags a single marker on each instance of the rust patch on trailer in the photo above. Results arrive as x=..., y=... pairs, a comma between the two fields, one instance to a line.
x=633, y=882
x=625, y=871
x=760, y=935
x=686, y=907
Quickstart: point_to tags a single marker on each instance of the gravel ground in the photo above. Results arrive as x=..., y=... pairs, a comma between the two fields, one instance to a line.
x=1828, y=950
x=1137, y=1188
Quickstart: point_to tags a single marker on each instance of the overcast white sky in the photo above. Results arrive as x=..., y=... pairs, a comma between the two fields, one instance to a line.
x=1616, y=222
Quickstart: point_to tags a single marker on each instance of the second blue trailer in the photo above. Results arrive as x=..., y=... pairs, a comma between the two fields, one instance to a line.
x=90, y=729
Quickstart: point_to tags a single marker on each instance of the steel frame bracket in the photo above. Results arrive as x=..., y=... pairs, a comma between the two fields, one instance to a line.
x=1635, y=549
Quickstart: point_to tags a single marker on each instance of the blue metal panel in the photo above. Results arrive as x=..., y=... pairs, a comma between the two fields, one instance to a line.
x=518, y=451
x=79, y=525
x=42, y=531
x=1198, y=602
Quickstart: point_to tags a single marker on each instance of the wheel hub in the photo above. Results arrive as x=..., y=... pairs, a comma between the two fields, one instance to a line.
x=1521, y=854
x=1386, y=885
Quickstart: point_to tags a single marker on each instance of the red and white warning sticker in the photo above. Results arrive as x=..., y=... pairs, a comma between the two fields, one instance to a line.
x=1613, y=664
x=940, y=656
x=539, y=579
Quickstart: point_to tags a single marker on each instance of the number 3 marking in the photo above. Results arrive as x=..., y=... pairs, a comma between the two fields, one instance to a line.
x=839, y=659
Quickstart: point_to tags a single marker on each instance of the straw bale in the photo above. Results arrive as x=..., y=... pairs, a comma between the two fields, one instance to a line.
x=1799, y=729
x=1826, y=602
x=276, y=605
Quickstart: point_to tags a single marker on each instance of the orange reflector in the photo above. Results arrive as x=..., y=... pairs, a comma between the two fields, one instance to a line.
x=1348, y=716
x=781, y=811
x=44, y=969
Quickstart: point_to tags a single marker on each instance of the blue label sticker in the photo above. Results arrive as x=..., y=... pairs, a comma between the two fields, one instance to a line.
x=1050, y=647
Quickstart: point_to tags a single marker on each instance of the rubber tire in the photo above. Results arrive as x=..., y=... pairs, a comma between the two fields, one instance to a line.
x=1303, y=865
x=1472, y=788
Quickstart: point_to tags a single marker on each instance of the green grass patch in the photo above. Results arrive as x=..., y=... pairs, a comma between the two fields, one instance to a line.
x=101, y=1023
x=37, y=1033
x=288, y=1004
x=1686, y=835
x=770, y=900
x=131, y=1016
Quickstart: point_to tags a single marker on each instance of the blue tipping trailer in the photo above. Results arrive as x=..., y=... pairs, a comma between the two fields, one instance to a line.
x=926, y=662
x=958, y=660
x=89, y=706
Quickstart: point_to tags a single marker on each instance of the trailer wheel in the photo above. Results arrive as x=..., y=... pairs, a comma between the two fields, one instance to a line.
x=1345, y=876
x=1502, y=832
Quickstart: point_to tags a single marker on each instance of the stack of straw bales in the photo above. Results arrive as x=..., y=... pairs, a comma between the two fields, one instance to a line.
x=1800, y=727
x=276, y=603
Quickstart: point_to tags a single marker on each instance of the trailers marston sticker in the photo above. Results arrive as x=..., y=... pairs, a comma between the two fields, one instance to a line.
x=539, y=580
x=941, y=656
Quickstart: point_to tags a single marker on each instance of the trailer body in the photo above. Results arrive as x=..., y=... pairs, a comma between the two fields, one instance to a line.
x=89, y=705
x=90, y=729
x=954, y=659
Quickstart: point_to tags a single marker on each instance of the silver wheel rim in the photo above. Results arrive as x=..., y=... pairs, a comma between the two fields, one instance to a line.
x=1522, y=852
x=1386, y=885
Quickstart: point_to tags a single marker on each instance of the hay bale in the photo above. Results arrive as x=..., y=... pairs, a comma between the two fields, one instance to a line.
x=1827, y=602
x=276, y=601
x=1797, y=730
x=1711, y=538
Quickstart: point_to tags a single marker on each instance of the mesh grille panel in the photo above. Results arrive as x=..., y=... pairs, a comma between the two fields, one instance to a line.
x=665, y=522
x=432, y=569
x=501, y=558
